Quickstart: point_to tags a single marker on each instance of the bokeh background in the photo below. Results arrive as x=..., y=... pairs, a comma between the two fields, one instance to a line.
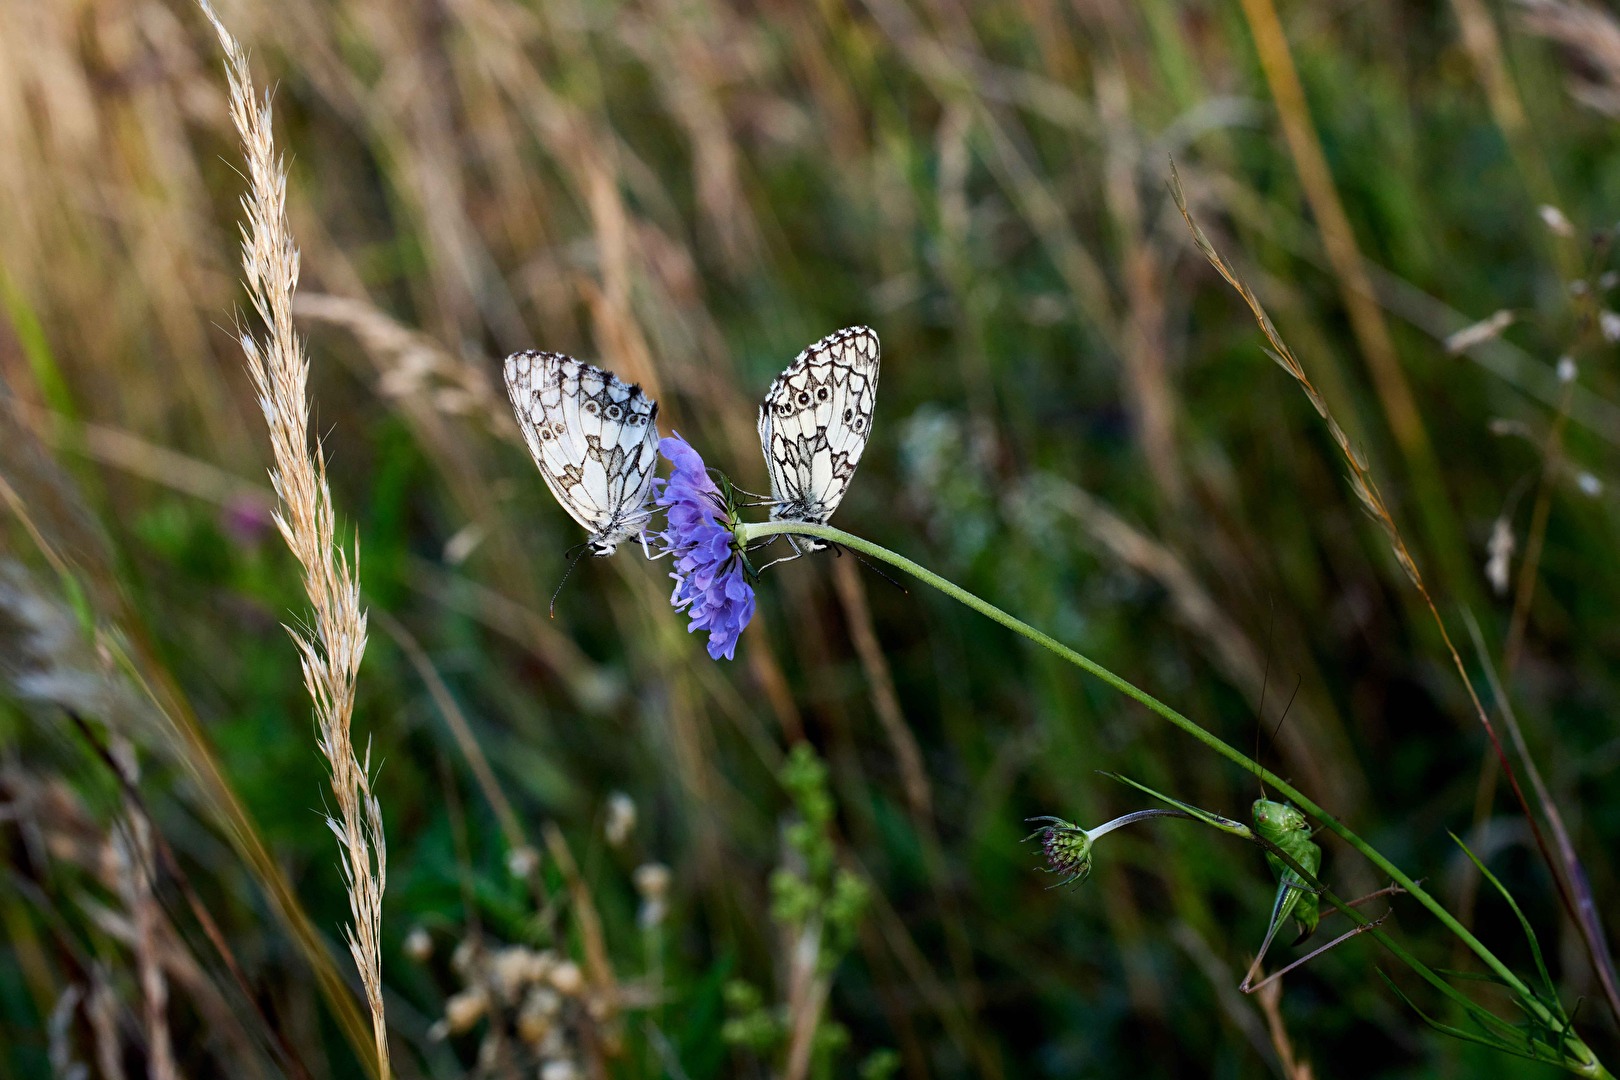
x=1076, y=420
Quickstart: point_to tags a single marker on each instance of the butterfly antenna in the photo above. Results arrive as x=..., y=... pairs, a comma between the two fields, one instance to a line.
x=573, y=555
x=726, y=482
x=839, y=549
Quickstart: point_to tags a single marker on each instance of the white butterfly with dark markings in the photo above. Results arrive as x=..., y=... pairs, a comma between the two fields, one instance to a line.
x=595, y=438
x=813, y=426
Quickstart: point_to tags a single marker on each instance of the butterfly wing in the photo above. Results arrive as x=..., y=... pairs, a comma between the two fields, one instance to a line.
x=594, y=437
x=814, y=422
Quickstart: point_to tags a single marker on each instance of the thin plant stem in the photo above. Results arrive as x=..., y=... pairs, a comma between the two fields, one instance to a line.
x=1586, y=1062
x=1131, y=819
x=1587, y=919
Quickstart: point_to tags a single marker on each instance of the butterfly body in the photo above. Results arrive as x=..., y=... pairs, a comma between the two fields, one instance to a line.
x=594, y=438
x=813, y=427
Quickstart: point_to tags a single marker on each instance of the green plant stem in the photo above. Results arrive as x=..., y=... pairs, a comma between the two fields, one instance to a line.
x=1577, y=1054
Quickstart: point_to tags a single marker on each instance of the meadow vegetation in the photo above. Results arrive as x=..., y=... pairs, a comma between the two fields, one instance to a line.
x=436, y=833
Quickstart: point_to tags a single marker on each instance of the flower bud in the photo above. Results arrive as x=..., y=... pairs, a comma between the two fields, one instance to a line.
x=1067, y=848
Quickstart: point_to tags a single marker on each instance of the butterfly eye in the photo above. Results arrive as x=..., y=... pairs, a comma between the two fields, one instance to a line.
x=590, y=407
x=821, y=395
x=557, y=429
x=847, y=414
x=545, y=433
x=860, y=424
x=614, y=412
x=804, y=397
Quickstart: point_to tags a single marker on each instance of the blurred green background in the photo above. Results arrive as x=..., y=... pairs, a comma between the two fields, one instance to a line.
x=1076, y=420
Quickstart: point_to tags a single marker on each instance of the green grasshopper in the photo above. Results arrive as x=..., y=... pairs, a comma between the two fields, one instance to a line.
x=1282, y=825
x=1290, y=830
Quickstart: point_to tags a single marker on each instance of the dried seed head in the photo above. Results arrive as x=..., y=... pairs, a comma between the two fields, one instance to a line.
x=535, y=1020
x=460, y=547
x=540, y=965
x=621, y=819
x=1499, y=555
x=1485, y=330
x=522, y=861
x=567, y=978
x=509, y=970
x=1556, y=222
x=464, y=958
x=652, y=882
x=559, y=1070
x=419, y=944
x=465, y=1009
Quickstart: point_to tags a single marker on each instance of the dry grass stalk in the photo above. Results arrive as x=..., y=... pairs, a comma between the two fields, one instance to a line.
x=1293, y=1067
x=59, y=1031
x=136, y=869
x=600, y=978
x=807, y=991
x=1338, y=238
x=332, y=649
x=413, y=364
x=1362, y=483
x=101, y=1009
x=1590, y=37
x=1476, y=26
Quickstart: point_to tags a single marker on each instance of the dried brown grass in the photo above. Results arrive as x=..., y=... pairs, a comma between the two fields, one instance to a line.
x=1590, y=37
x=334, y=642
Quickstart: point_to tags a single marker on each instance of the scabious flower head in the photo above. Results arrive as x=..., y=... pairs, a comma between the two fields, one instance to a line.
x=1067, y=848
x=710, y=579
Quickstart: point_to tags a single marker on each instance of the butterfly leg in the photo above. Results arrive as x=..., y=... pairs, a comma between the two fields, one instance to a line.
x=645, y=550
x=783, y=559
x=801, y=545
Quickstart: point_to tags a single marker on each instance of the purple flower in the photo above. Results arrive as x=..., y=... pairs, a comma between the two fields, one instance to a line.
x=710, y=585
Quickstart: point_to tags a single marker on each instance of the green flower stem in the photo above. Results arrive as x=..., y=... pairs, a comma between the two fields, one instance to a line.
x=1131, y=819
x=1576, y=1053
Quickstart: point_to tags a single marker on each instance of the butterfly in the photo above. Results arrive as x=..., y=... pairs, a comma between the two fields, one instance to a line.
x=594, y=437
x=813, y=426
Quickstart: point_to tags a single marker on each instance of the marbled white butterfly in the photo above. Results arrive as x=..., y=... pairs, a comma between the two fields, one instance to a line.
x=813, y=426
x=595, y=438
